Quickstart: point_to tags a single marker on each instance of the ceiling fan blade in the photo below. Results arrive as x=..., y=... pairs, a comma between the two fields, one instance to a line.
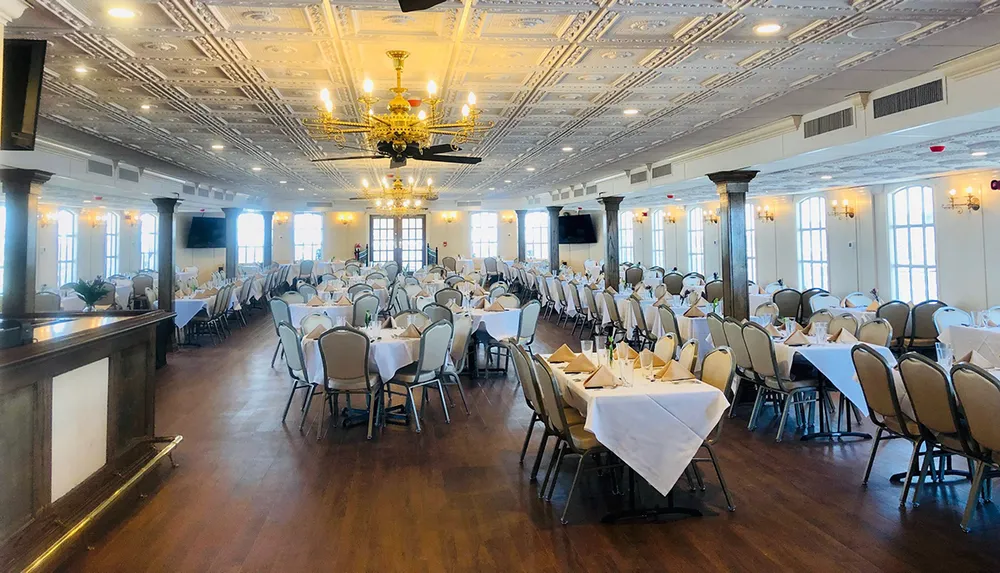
x=348, y=158
x=397, y=161
x=443, y=148
x=449, y=159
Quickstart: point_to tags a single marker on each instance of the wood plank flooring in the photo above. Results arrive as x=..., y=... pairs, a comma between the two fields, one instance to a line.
x=254, y=495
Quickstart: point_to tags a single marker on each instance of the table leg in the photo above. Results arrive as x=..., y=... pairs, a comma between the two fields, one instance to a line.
x=647, y=513
x=825, y=430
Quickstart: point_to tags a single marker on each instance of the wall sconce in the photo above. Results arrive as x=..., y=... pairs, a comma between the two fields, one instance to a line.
x=765, y=214
x=508, y=217
x=970, y=201
x=46, y=218
x=96, y=218
x=281, y=217
x=449, y=216
x=345, y=218
x=130, y=218
x=669, y=217
x=843, y=210
x=711, y=217
x=640, y=216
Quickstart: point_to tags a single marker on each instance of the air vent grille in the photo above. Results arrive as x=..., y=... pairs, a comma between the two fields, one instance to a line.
x=578, y=192
x=564, y=195
x=128, y=175
x=105, y=169
x=662, y=171
x=469, y=203
x=592, y=190
x=318, y=204
x=827, y=123
x=637, y=177
x=189, y=189
x=922, y=95
x=219, y=195
x=203, y=192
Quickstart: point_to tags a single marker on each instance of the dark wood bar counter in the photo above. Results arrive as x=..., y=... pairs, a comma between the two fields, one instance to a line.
x=77, y=403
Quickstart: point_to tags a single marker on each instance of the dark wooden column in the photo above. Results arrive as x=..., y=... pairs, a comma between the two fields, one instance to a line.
x=732, y=187
x=610, y=239
x=268, y=237
x=232, y=240
x=21, y=188
x=554, y=238
x=521, y=239
x=165, y=266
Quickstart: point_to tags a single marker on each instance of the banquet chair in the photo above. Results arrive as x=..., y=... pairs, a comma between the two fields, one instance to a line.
x=375, y=275
x=305, y=270
x=593, y=317
x=108, y=300
x=542, y=290
x=716, y=329
x=559, y=301
x=614, y=323
x=391, y=271
x=508, y=301
x=377, y=283
x=935, y=408
x=497, y=290
x=674, y=282
x=644, y=337
x=666, y=347
x=306, y=290
x=923, y=332
x=365, y=303
x=580, y=315
x=400, y=300
x=633, y=276
x=429, y=369
x=713, y=291
x=789, y=388
x=326, y=278
x=993, y=315
x=407, y=317
x=574, y=439
x=311, y=321
x=819, y=301
x=453, y=280
x=296, y=363
x=719, y=370
x=885, y=410
x=345, y=353
x=459, y=355
x=474, y=277
x=411, y=280
x=139, y=284
x=822, y=316
x=352, y=269
x=659, y=291
x=772, y=288
x=527, y=322
x=767, y=308
x=668, y=321
x=744, y=366
x=447, y=295
x=844, y=321
x=806, y=306
x=450, y=263
x=293, y=297
x=693, y=278
x=357, y=290
x=897, y=313
x=436, y=312
x=47, y=302
x=978, y=393
x=858, y=299
x=788, y=302
x=951, y=316
x=688, y=357
x=491, y=268
x=877, y=332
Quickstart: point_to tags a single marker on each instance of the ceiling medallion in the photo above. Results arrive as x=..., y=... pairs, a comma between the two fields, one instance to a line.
x=590, y=78
x=497, y=77
x=296, y=73
x=883, y=30
x=720, y=56
x=614, y=55
x=215, y=92
x=261, y=16
x=397, y=19
x=280, y=49
x=124, y=90
x=158, y=46
x=570, y=96
x=648, y=25
x=527, y=23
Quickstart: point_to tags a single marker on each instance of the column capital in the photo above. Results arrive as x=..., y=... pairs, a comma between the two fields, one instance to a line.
x=610, y=203
x=232, y=211
x=11, y=10
x=166, y=204
x=739, y=176
x=554, y=209
x=520, y=212
x=267, y=214
x=14, y=176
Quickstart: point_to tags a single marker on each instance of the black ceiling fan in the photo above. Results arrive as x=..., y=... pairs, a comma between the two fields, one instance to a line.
x=412, y=151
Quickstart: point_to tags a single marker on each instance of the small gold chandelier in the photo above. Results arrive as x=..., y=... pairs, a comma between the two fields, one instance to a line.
x=399, y=199
x=400, y=132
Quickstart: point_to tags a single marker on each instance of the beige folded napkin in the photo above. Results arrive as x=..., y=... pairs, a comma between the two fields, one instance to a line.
x=495, y=307
x=343, y=301
x=580, y=364
x=673, y=372
x=315, y=333
x=809, y=329
x=797, y=339
x=202, y=295
x=601, y=378
x=454, y=307
x=481, y=303
x=848, y=303
x=625, y=352
x=976, y=359
x=611, y=291
x=212, y=291
x=873, y=307
x=562, y=354
x=990, y=323
x=411, y=331
x=844, y=337
x=423, y=293
x=389, y=323
x=694, y=312
x=772, y=330
x=478, y=291
x=315, y=301
x=657, y=361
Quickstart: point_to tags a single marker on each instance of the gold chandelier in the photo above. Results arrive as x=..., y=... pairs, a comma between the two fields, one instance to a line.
x=399, y=199
x=399, y=132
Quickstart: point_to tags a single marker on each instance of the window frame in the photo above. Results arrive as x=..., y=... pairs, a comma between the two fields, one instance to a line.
x=751, y=238
x=810, y=227
x=626, y=237
x=112, y=243
x=148, y=258
x=659, y=239
x=248, y=253
x=536, y=236
x=696, y=240
x=301, y=248
x=484, y=244
x=928, y=244
x=67, y=243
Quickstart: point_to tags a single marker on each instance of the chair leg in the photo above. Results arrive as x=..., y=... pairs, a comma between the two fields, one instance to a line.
x=928, y=461
x=752, y=425
x=538, y=457
x=555, y=473
x=722, y=481
x=305, y=412
x=977, y=482
x=527, y=437
x=372, y=407
x=789, y=400
x=461, y=392
x=871, y=458
x=572, y=487
x=295, y=386
x=413, y=406
x=548, y=471
x=444, y=403
x=914, y=455
x=736, y=394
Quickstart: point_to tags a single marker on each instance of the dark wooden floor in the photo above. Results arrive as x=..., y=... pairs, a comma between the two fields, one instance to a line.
x=254, y=495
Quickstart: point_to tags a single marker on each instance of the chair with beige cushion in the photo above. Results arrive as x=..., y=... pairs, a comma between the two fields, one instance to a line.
x=718, y=370
x=614, y=322
x=788, y=301
x=978, y=393
x=666, y=347
x=429, y=369
x=688, y=356
x=358, y=290
x=898, y=314
x=877, y=332
x=633, y=276
x=346, y=370
x=408, y=317
x=844, y=321
x=643, y=335
x=292, y=297
x=47, y=301
x=311, y=321
x=767, y=308
x=807, y=307
x=459, y=354
x=885, y=409
x=291, y=342
x=668, y=321
x=713, y=291
x=716, y=329
x=307, y=290
x=449, y=263
x=923, y=333
x=858, y=299
x=744, y=367
x=448, y=295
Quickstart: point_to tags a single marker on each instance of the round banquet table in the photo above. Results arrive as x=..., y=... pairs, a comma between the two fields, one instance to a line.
x=387, y=355
x=300, y=311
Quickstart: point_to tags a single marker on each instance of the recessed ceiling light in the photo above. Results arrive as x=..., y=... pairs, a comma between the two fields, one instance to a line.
x=677, y=199
x=492, y=189
x=302, y=188
x=218, y=146
x=145, y=106
x=529, y=168
x=121, y=13
x=255, y=168
x=282, y=181
x=979, y=154
x=507, y=181
x=86, y=200
x=826, y=177
x=80, y=69
x=767, y=29
x=567, y=149
x=630, y=111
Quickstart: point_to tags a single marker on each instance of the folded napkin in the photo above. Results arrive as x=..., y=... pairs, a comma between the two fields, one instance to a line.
x=772, y=330
x=202, y=295
x=673, y=372
x=562, y=354
x=212, y=291
x=657, y=361
x=495, y=307
x=873, y=307
x=625, y=352
x=976, y=359
x=389, y=323
x=848, y=303
x=315, y=301
x=580, y=364
x=343, y=301
x=454, y=307
x=844, y=337
x=990, y=323
x=315, y=333
x=423, y=293
x=601, y=378
x=694, y=312
x=797, y=339
x=481, y=303
x=611, y=291
x=809, y=329
x=411, y=331
x=478, y=291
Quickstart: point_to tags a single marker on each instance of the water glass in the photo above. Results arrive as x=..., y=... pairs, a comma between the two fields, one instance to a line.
x=586, y=346
x=944, y=355
x=646, y=362
x=789, y=324
x=819, y=329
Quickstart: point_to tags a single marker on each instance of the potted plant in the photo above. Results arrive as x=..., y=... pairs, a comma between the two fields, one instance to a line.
x=91, y=292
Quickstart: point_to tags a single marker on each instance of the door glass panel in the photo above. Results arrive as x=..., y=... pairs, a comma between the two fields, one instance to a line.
x=412, y=242
x=383, y=239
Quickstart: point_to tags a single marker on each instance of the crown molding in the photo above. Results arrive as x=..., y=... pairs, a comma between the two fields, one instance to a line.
x=778, y=128
x=11, y=10
x=974, y=64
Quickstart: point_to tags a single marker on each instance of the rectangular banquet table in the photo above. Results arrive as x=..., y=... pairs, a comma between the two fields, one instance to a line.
x=965, y=339
x=387, y=355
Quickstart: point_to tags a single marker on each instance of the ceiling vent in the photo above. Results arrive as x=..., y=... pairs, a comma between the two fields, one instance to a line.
x=827, y=123
x=592, y=190
x=318, y=204
x=564, y=195
x=919, y=96
x=219, y=195
x=469, y=203
x=204, y=192
x=189, y=189
x=105, y=169
x=578, y=192
x=128, y=175
x=662, y=171
x=637, y=177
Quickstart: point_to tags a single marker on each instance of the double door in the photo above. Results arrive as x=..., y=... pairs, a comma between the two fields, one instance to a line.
x=400, y=239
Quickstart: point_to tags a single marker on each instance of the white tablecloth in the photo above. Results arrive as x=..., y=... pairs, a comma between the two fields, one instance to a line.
x=965, y=339
x=186, y=275
x=300, y=311
x=654, y=427
x=499, y=325
x=186, y=308
x=381, y=293
x=757, y=300
x=387, y=355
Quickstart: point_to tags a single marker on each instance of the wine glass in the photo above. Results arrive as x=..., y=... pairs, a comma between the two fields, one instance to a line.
x=646, y=362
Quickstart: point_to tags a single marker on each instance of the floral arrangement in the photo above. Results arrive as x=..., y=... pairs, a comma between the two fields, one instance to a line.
x=874, y=293
x=92, y=291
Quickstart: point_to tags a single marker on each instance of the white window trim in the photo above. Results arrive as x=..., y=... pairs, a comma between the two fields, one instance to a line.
x=822, y=263
x=481, y=225
x=696, y=249
x=626, y=237
x=659, y=239
x=930, y=262
x=536, y=240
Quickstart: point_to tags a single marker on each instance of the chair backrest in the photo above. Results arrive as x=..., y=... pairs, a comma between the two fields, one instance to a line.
x=141, y=281
x=761, y=350
x=897, y=313
x=772, y=288
x=611, y=307
x=922, y=319
x=716, y=329
x=633, y=276
x=931, y=394
x=693, y=279
x=688, y=357
x=307, y=290
x=638, y=315
x=411, y=280
x=408, y=317
x=449, y=263
x=446, y=295
x=660, y=290
x=490, y=264
x=734, y=336
x=788, y=301
x=548, y=386
x=668, y=321
x=858, y=299
x=508, y=301
x=391, y=271
x=822, y=316
x=291, y=342
x=528, y=321
x=556, y=292
x=767, y=308
x=719, y=368
x=292, y=297
x=345, y=353
x=843, y=322
x=435, y=342
x=821, y=301
x=460, y=344
x=327, y=277
x=366, y=302
x=280, y=312
x=311, y=321
x=47, y=301
x=666, y=347
x=878, y=386
x=951, y=316
x=877, y=332
x=354, y=290
x=306, y=268
x=674, y=282
x=109, y=296
x=401, y=299
x=497, y=291
x=375, y=275
x=526, y=376
x=978, y=392
x=352, y=270
x=436, y=312
x=453, y=280
x=713, y=291
x=588, y=296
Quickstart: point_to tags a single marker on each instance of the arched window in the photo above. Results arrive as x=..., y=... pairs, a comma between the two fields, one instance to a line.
x=148, y=224
x=912, y=246
x=751, y=243
x=250, y=238
x=696, y=240
x=626, y=237
x=112, y=244
x=484, y=234
x=307, y=234
x=536, y=235
x=66, y=247
x=814, y=266
x=659, y=246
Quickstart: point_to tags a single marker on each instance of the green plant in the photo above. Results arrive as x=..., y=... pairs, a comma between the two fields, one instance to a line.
x=92, y=291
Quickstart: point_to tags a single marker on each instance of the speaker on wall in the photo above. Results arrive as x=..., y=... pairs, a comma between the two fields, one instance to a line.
x=23, y=63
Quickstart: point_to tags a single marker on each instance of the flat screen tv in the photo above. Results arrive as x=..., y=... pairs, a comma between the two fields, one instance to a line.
x=23, y=62
x=576, y=230
x=207, y=233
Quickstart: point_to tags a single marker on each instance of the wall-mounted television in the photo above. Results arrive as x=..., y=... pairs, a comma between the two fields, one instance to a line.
x=207, y=233
x=23, y=62
x=577, y=230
